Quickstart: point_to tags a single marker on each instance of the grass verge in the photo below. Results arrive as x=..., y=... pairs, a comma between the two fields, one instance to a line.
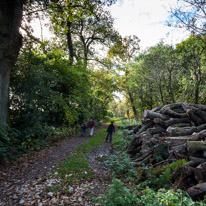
x=76, y=167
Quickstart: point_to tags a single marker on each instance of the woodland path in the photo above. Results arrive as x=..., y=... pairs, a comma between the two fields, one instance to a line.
x=21, y=181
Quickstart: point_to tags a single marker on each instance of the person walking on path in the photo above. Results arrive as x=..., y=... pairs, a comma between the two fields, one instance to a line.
x=91, y=124
x=110, y=130
x=84, y=128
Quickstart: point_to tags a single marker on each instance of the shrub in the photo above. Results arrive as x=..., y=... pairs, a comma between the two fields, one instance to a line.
x=118, y=195
x=161, y=152
x=120, y=164
x=7, y=136
x=166, y=197
x=122, y=139
x=160, y=176
x=121, y=196
x=166, y=175
x=127, y=122
x=14, y=143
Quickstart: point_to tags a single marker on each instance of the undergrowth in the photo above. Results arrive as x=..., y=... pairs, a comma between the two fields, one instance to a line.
x=121, y=140
x=142, y=186
x=121, y=195
x=158, y=177
x=123, y=122
x=120, y=165
x=14, y=143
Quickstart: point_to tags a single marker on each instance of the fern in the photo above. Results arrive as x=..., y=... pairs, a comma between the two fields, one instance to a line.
x=167, y=173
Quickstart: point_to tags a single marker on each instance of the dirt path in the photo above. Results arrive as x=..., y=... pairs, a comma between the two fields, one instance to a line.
x=21, y=179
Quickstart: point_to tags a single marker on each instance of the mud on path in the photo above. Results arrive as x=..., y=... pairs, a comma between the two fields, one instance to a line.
x=18, y=179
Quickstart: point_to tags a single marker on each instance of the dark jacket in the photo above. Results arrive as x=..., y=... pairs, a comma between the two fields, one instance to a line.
x=84, y=127
x=111, y=128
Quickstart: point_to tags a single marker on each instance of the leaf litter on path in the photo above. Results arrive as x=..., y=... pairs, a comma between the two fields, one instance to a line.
x=27, y=184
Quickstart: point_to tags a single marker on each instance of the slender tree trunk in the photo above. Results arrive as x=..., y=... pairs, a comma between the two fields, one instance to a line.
x=151, y=96
x=127, y=113
x=170, y=86
x=132, y=103
x=161, y=93
x=131, y=97
x=197, y=92
x=197, y=85
x=85, y=51
x=11, y=12
x=141, y=98
x=85, y=46
x=70, y=44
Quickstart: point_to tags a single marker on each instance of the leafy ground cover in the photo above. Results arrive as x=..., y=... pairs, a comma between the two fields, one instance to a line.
x=122, y=195
x=143, y=185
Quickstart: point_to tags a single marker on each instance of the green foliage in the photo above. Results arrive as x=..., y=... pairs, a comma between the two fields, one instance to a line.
x=192, y=58
x=154, y=76
x=14, y=143
x=47, y=90
x=103, y=84
x=118, y=195
x=121, y=195
x=163, y=74
x=120, y=164
x=85, y=24
x=7, y=138
x=160, y=177
x=167, y=173
x=161, y=152
x=121, y=140
x=127, y=122
x=166, y=197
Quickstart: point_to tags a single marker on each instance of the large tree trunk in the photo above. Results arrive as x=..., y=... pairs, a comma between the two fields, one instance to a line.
x=173, y=121
x=10, y=43
x=152, y=115
x=184, y=131
x=198, y=191
x=193, y=146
